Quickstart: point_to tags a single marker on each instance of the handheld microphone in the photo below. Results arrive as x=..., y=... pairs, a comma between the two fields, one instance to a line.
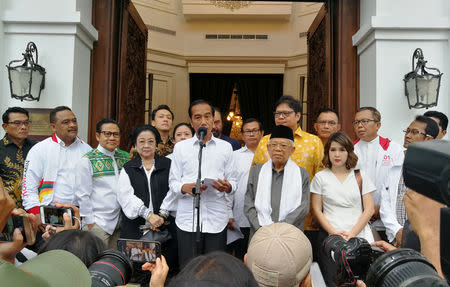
x=202, y=131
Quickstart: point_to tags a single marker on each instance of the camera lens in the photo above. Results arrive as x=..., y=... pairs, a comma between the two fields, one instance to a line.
x=403, y=267
x=111, y=269
x=332, y=245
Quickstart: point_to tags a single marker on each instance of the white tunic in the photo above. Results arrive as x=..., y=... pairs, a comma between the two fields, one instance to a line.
x=341, y=201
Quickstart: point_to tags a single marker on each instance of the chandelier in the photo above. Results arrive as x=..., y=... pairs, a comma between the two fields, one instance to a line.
x=230, y=4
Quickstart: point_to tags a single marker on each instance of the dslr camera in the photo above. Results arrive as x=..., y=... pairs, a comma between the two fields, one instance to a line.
x=357, y=259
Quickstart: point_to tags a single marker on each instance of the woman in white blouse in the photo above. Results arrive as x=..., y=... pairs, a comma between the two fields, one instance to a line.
x=143, y=185
x=337, y=201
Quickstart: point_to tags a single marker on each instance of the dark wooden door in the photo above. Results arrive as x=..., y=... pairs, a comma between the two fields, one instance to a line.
x=118, y=67
x=333, y=75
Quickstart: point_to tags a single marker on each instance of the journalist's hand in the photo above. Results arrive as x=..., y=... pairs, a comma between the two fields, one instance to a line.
x=159, y=271
x=384, y=245
x=7, y=205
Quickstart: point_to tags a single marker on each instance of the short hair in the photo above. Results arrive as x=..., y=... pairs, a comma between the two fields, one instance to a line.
x=98, y=127
x=432, y=128
x=291, y=102
x=83, y=244
x=213, y=270
x=56, y=110
x=180, y=125
x=18, y=110
x=198, y=102
x=443, y=119
x=142, y=128
x=327, y=110
x=161, y=107
x=375, y=113
x=342, y=139
x=251, y=120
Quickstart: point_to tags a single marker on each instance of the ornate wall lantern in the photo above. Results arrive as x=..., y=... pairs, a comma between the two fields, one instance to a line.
x=27, y=80
x=422, y=87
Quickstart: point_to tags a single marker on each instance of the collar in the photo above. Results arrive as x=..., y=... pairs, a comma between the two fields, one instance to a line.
x=298, y=131
x=383, y=142
x=244, y=149
x=195, y=140
x=57, y=140
x=7, y=141
x=105, y=151
x=161, y=162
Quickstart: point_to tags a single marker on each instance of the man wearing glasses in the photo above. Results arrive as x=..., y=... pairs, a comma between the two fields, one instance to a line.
x=14, y=148
x=327, y=123
x=49, y=169
x=376, y=156
x=392, y=209
x=252, y=132
x=96, y=181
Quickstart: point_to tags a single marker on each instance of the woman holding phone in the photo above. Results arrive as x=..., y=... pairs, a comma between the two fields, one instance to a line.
x=143, y=185
x=337, y=201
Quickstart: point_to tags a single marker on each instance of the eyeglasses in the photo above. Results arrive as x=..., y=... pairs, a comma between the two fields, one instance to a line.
x=279, y=145
x=363, y=122
x=108, y=134
x=284, y=113
x=19, y=123
x=330, y=123
x=415, y=132
x=249, y=132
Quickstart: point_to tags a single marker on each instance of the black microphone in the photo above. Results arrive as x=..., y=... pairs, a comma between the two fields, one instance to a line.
x=202, y=131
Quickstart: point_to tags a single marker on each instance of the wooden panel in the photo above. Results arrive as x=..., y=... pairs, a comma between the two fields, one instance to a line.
x=333, y=75
x=132, y=73
x=103, y=84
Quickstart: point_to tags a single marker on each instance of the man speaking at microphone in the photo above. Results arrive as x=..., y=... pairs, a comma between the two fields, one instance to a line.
x=216, y=171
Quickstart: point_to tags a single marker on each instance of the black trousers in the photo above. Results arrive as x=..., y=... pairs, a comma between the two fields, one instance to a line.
x=187, y=247
x=238, y=248
x=313, y=236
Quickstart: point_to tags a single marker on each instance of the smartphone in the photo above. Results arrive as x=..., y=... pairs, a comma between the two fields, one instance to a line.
x=140, y=250
x=24, y=225
x=54, y=216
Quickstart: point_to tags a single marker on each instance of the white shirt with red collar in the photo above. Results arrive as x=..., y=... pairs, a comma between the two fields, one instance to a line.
x=48, y=173
x=376, y=158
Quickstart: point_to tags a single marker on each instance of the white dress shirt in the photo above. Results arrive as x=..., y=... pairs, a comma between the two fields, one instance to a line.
x=97, y=196
x=217, y=162
x=132, y=205
x=64, y=186
x=242, y=160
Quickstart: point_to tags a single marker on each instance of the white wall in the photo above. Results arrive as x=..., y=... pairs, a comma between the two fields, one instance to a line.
x=390, y=32
x=64, y=35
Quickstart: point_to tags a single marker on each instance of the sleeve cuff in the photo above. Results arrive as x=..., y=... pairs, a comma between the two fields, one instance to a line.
x=34, y=210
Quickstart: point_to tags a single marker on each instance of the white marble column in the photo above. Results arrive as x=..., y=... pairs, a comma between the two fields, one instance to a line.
x=64, y=36
x=390, y=32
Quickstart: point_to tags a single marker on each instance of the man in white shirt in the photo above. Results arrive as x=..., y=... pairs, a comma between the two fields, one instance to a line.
x=376, y=156
x=49, y=169
x=252, y=132
x=392, y=209
x=96, y=182
x=217, y=164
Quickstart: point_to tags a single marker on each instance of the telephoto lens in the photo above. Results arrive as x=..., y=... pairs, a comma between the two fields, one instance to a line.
x=112, y=268
x=403, y=267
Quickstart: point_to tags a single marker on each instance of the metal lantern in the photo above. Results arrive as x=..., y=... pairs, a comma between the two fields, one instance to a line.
x=27, y=80
x=422, y=87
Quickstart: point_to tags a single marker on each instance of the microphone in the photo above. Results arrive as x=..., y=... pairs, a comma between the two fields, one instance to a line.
x=202, y=131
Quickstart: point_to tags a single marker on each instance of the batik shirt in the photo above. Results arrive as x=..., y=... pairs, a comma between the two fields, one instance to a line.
x=11, y=167
x=165, y=148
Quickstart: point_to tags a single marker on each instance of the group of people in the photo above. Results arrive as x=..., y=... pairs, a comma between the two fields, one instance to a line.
x=319, y=184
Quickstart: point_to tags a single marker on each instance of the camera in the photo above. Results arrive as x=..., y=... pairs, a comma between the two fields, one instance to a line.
x=54, y=216
x=139, y=250
x=112, y=268
x=352, y=257
x=357, y=259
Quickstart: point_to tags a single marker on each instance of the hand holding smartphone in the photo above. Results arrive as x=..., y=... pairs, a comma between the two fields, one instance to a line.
x=23, y=224
x=140, y=250
x=55, y=216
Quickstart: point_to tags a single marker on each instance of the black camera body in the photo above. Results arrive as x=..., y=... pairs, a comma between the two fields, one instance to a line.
x=353, y=257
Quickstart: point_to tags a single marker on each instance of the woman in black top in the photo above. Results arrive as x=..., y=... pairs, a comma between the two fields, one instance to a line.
x=143, y=185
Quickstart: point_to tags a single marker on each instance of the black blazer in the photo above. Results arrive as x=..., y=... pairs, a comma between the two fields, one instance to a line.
x=159, y=182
